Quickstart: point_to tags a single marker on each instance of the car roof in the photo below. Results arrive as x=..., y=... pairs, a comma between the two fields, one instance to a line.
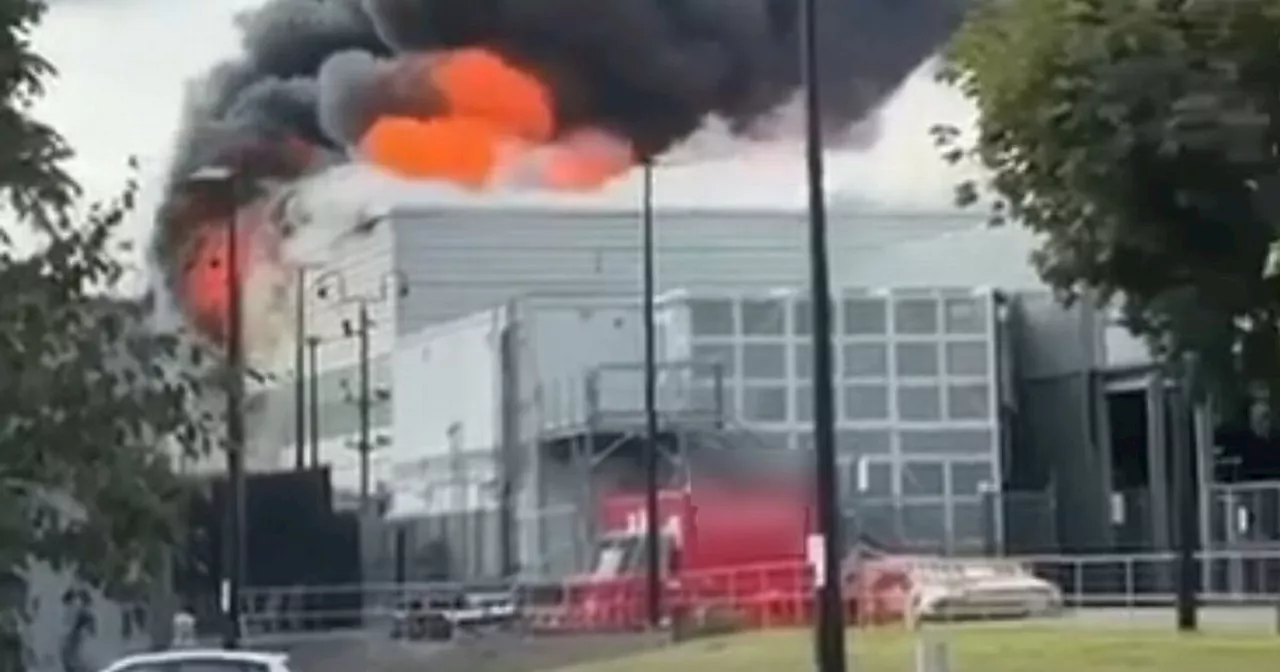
x=180, y=655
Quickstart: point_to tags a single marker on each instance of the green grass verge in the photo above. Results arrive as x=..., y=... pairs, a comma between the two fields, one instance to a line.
x=975, y=649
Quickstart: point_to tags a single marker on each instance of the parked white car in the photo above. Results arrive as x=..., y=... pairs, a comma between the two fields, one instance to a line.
x=946, y=589
x=202, y=660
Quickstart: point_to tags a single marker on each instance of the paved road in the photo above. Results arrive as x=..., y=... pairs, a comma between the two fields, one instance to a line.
x=1260, y=617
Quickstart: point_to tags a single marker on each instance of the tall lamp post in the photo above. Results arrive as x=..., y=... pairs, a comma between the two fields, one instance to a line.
x=653, y=557
x=313, y=379
x=300, y=367
x=225, y=185
x=830, y=609
x=333, y=285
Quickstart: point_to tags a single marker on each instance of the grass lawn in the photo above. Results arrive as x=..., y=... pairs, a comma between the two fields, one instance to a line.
x=976, y=649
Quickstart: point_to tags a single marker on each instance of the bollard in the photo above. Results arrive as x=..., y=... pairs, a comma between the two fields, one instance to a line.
x=933, y=654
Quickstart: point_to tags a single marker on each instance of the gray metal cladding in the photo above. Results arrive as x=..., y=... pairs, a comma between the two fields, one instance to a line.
x=460, y=261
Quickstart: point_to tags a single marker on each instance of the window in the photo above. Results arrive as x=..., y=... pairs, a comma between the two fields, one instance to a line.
x=970, y=527
x=768, y=361
x=764, y=403
x=764, y=317
x=870, y=478
x=802, y=360
x=950, y=441
x=969, y=402
x=866, y=402
x=865, y=360
x=916, y=360
x=968, y=478
x=967, y=358
x=711, y=317
x=706, y=356
x=919, y=404
x=865, y=316
x=965, y=315
x=801, y=318
x=925, y=525
x=803, y=403
x=703, y=399
x=864, y=441
x=926, y=479
x=916, y=316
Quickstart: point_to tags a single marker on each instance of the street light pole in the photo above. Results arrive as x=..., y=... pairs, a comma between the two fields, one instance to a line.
x=299, y=371
x=365, y=401
x=653, y=538
x=830, y=607
x=225, y=183
x=313, y=356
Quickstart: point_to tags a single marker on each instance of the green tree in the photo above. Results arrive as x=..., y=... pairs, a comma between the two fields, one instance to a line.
x=93, y=403
x=1139, y=138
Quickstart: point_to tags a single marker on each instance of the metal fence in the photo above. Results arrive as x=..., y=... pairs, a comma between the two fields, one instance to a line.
x=1133, y=584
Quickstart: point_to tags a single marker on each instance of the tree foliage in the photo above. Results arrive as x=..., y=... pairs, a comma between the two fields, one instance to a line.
x=94, y=404
x=1140, y=139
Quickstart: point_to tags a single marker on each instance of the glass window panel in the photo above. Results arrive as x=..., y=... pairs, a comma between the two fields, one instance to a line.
x=802, y=360
x=711, y=317
x=948, y=441
x=967, y=358
x=702, y=399
x=968, y=478
x=803, y=404
x=969, y=402
x=761, y=360
x=764, y=403
x=801, y=317
x=870, y=478
x=864, y=441
x=707, y=355
x=924, y=524
x=968, y=527
x=764, y=317
x=921, y=404
x=866, y=402
x=865, y=360
x=965, y=315
x=916, y=360
x=865, y=316
x=915, y=316
x=921, y=478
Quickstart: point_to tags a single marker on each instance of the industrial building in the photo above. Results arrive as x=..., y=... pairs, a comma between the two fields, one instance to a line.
x=974, y=411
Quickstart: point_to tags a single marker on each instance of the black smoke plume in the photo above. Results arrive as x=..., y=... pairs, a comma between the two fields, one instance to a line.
x=315, y=72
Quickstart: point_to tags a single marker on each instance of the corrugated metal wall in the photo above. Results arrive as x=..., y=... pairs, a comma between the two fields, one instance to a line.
x=462, y=261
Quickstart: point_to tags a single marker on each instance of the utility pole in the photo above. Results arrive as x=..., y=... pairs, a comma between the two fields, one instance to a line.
x=365, y=401
x=313, y=355
x=653, y=538
x=829, y=602
x=393, y=281
x=299, y=371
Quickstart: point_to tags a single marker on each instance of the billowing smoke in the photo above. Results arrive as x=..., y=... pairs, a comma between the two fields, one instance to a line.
x=557, y=94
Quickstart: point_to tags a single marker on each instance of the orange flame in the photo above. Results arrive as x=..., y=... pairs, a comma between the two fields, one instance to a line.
x=495, y=113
